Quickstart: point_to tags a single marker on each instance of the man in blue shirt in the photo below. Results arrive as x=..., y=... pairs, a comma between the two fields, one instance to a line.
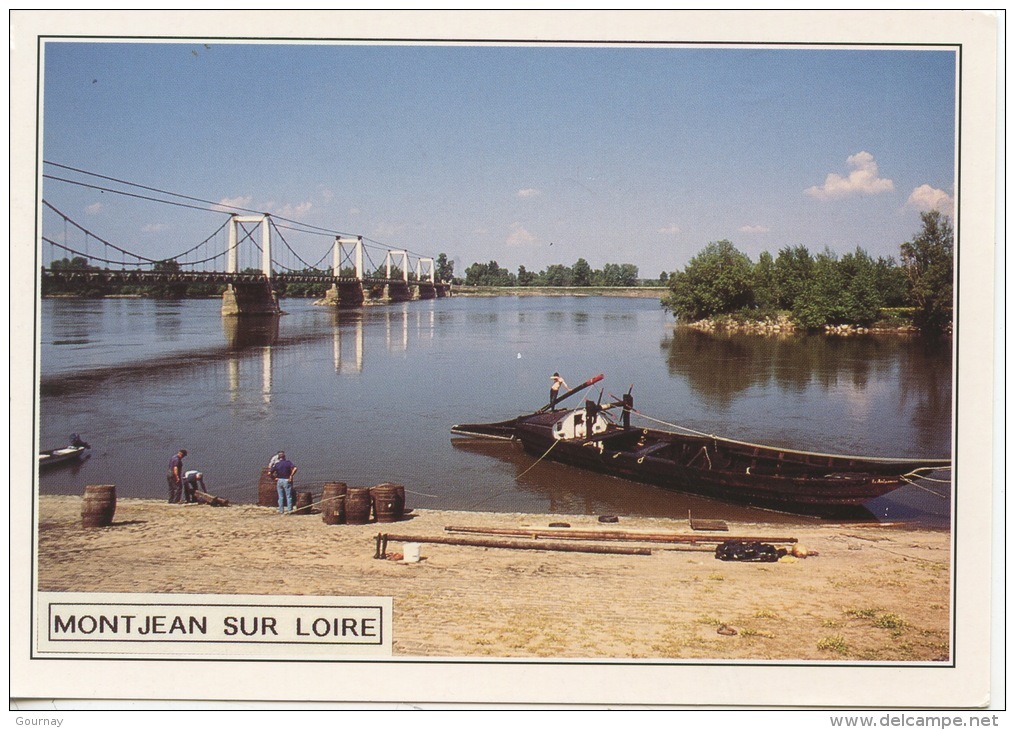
x=174, y=476
x=284, y=471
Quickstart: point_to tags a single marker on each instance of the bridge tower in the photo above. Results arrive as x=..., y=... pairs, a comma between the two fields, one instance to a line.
x=425, y=272
x=338, y=254
x=405, y=264
x=397, y=291
x=343, y=292
x=254, y=297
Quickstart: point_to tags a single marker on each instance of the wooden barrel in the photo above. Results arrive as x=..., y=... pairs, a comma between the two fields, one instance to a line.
x=389, y=502
x=267, y=492
x=357, y=505
x=98, y=505
x=303, y=502
x=333, y=503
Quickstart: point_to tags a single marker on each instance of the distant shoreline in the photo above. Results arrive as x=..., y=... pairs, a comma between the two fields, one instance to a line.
x=643, y=292
x=782, y=326
x=460, y=290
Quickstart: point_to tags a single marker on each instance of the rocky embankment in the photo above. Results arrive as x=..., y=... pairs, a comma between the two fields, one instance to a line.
x=785, y=326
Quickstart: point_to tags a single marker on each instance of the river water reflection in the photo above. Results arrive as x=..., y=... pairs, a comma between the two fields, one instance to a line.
x=366, y=396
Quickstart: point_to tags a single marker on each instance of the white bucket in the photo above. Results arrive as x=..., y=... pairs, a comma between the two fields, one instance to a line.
x=410, y=552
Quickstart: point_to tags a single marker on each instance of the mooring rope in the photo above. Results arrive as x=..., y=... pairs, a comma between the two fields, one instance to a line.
x=763, y=446
x=916, y=473
x=674, y=425
x=342, y=496
x=926, y=489
x=555, y=442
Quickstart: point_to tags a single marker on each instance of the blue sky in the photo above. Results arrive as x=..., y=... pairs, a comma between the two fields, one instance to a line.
x=520, y=154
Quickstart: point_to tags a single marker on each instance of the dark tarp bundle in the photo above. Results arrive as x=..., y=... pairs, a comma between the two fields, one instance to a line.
x=747, y=552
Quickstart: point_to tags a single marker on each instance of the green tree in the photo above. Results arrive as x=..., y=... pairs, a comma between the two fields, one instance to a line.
x=891, y=282
x=860, y=301
x=80, y=286
x=557, y=275
x=444, y=270
x=766, y=287
x=716, y=281
x=929, y=263
x=581, y=273
x=793, y=270
x=174, y=287
x=525, y=277
x=490, y=274
x=381, y=272
x=609, y=275
x=814, y=305
x=839, y=291
x=628, y=275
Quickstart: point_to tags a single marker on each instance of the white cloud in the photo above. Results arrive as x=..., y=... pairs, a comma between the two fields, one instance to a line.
x=528, y=193
x=754, y=229
x=672, y=229
x=286, y=210
x=926, y=198
x=353, y=211
x=519, y=236
x=155, y=228
x=240, y=201
x=94, y=209
x=291, y=211
x=862, y=180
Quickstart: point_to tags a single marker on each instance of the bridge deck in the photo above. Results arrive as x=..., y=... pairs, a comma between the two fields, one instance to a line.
x=129, y=276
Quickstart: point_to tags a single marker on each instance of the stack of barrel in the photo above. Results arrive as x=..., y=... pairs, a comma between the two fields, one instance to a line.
x=342, y=504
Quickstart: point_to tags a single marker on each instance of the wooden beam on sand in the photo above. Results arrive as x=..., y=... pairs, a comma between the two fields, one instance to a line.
x=205, y=498
x=616, y=535
x=488, y=543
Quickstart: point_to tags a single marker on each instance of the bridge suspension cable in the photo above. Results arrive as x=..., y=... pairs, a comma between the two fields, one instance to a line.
x=293, y=251
x=97, y=238
x=196, y=203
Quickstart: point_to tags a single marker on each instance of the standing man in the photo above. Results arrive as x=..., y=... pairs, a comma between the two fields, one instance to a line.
x=284, y=471
x=555, y=382
x=174, y=477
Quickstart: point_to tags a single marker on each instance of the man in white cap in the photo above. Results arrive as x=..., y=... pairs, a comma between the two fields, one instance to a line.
x=192, y=481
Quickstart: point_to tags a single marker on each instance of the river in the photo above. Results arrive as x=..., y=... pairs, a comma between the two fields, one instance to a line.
x=368, y=395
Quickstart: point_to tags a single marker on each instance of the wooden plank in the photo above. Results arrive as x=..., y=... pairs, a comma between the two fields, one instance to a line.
x=614, y=535
x=708, y=525
x=531, y=545
x=205, y=498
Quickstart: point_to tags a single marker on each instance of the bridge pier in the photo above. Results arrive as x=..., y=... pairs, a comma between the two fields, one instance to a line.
x=344, y=294
x=397, y=292
x=425, y=290
x=256, y=298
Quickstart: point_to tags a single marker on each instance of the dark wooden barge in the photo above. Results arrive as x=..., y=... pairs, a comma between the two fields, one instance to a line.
x=770, y=477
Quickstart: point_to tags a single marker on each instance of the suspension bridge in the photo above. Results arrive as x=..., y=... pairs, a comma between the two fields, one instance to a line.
x=248, y=253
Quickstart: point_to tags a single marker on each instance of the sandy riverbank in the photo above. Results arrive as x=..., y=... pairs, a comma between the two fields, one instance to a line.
x=879, y=593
